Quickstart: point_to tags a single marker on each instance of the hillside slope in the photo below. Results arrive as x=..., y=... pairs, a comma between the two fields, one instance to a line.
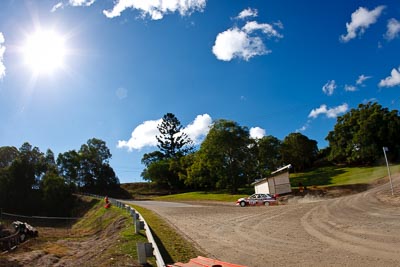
x=103, y=237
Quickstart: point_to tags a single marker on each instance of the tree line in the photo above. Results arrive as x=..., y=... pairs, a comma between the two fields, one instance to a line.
x=34, y=182
x=229, y=158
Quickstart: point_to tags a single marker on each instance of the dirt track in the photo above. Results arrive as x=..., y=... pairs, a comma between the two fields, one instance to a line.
x=356, y=230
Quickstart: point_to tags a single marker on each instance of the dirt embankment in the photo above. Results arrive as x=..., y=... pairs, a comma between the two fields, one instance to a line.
x=362, y=229
x=95, y=245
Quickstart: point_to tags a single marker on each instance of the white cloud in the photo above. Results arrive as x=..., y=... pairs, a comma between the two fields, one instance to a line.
x=2, y=51
x=257, y=133
x=243, y=42
x=361, y=79
x=329, y=87
x=350, y=88
x=361, y=19
x=199, y=128
x=248, y=12
x=145, y=134
x=72, y=3
x=156, y=9
x=392, y=80
x=266, y=28
x=236, y=43
x=57, y=6
x=393, y=29
x=142, y=136
x=304, y=127
x=330, y=113
x=121, y=93
x=81, y=2
x=366, y=101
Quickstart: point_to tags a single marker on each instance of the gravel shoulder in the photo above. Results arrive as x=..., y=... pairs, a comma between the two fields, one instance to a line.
x=357, y=230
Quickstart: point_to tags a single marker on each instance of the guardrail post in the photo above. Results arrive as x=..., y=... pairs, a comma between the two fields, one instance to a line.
x=139, y=225
x=135, y=216
x=141, y=251
x=144, y=250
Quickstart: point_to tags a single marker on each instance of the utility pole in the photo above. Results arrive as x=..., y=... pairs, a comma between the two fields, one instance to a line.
x=387, y=164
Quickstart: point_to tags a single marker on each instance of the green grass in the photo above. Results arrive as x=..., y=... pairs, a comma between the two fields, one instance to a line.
x=98, y=219
x=128, y=238
x=173, y=247
x=95, y=219
x=196, y=196
x=336, y=176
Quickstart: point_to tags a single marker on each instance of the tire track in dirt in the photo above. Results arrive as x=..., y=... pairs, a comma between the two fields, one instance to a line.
x=357, y=230
x=359, y=224
x=263, y=224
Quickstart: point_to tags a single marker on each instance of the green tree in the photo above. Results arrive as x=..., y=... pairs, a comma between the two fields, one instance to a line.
x=172, y=142
x=163, y=167
x=268, y=151
x=24, y=176
x=152, y=157
x=198, y=175
x=360, y=134
x=57, y=195
x=29, y=183
x=224, y=158
x=159, y=173
x=5, y=188
x=7, y=155
x=69, y=167
x=95, y=171
x=89, y=168
x=299, y=151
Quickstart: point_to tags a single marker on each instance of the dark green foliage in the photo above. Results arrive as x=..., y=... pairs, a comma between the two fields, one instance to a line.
x=21, y=180
x=268, y=152
x=89, y=168
x=224, y=159
x=32, y=183
x=68, y=166
x=162, y=167
x=149, y=158
x=228, y=158
x=359, y=135
x=57, y=195
x=172, y=142
x=299, y=151
x=7, y=155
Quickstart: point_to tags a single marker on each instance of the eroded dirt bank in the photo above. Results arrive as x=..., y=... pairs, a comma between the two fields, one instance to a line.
x=95, y=244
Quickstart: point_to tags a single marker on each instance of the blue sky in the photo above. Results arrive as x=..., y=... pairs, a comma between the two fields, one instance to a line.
x=76, y=69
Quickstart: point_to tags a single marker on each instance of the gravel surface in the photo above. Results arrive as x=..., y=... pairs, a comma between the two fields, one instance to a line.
x=356, y=230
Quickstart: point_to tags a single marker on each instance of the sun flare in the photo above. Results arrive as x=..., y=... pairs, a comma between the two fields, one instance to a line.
x=44, y=51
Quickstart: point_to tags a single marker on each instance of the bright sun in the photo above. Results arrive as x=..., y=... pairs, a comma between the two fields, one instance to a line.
x=44, y=51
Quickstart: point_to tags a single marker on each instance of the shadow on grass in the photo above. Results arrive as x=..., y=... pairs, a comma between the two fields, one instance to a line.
x=164, y=253
x=318, y=177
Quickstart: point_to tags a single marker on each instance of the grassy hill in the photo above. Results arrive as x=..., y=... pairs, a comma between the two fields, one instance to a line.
x=338, y=176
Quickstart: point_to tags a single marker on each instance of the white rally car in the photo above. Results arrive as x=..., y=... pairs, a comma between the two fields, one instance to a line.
x=257, y=200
